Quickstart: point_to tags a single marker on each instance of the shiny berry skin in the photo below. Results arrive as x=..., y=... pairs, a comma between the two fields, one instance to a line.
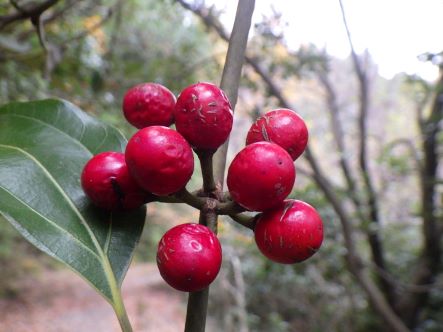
x=203, y=116
x=261, y=176
x=283, y=127
x=289, y=233
x=149, y=104
x=106, y=181
x=189, y=257
x=160, y=160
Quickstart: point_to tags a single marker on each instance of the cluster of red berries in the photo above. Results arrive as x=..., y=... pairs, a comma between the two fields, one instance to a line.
x=158, y=161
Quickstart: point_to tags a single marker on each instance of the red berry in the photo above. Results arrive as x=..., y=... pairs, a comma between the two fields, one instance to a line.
x=160, y=160
x=203, y=116
x=289, y=233
x=149, y=104
x=261, y=176
x=106, y=181
x=189, y=257
x=283, y=127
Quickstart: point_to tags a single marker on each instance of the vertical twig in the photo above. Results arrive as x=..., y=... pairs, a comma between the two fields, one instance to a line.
x=231, y=73
x=196, y=311
x=206, y=163
x=198, y=301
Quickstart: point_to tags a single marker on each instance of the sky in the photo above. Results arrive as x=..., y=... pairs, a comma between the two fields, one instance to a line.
x=395, y=32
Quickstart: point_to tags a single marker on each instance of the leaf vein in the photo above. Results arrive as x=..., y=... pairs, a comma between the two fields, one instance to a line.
x=55, y=225
x=103, y=140
x=53, y=127
x=63, y=193
x=108, y=237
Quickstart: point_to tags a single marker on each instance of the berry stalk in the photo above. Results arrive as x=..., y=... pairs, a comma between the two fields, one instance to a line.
x=205, y=157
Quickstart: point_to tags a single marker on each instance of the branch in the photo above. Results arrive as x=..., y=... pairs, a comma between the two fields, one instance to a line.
x=50, y=50
x=303, y=171
x=24, y=13
x=85, y=32
x=246, y=221
x=55, y=52
x=17, y=6
x=114, y=34
x=423, y=288
x=409, y=145
x=55, y=14
x=50, y=17
x=231, y=73
x=184, y=196
x=198, y=301
x=374, y=217
x=240, y=294
x=229, y=208
x=357, y=65
x=205, y=157
x=338, y=134
x=411, y=304
x=354, y=262
x=420, y=104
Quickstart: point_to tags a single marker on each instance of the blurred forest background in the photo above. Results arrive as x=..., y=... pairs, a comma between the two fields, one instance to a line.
x=372, y=168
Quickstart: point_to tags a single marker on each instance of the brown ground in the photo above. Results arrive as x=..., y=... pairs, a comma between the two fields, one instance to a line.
x=60, y=301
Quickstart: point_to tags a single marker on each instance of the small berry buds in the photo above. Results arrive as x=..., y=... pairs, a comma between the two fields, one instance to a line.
x=189, y=257
x=160, y=160
x=283, y=127
x=289, y=233
x=261, y=176
x=149, y=104
x=106, y=181
x=203, y=116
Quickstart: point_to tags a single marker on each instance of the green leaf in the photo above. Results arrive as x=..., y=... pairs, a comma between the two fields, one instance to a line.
x=43, y=148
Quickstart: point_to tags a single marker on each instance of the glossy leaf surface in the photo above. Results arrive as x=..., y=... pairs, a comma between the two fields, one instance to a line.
x=43, y=148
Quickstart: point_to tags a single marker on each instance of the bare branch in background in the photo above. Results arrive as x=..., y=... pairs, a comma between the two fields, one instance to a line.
x=118, y=9
x=16, y=6
x=372, y=201
x=23, y=13
x=239, y=295
x=86, y=32
x=57, y=13
x=58, y=50
x=230, y=80
x=410, y=146
x=34, y=14
x=423, y=288
x=429, y=262
x=55, y=52
x=338, y=134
